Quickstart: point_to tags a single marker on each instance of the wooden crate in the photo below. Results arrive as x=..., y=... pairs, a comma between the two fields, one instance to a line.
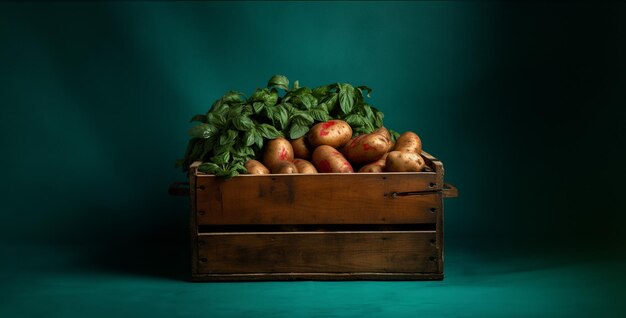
x=379, y=226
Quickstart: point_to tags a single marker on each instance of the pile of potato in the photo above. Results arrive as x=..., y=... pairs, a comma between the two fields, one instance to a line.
x=329, y=147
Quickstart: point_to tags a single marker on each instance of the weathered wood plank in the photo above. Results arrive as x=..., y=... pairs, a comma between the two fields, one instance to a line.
x=317, y=199
x=193, y=225
x=318, y=252
x=315, y=276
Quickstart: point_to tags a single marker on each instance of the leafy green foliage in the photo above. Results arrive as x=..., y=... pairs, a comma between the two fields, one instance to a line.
x=235, y=128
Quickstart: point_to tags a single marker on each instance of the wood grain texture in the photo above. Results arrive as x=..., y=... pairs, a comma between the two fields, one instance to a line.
x=437, y=167
x=315, y=276
x=317, y=199
x=318, y=252
x=193, y=225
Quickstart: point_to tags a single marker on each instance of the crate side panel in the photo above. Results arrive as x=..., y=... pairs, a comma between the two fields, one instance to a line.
x=324, y=252
x=318, y=199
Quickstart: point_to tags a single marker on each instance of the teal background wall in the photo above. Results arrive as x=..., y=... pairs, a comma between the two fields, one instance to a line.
x=524, y=104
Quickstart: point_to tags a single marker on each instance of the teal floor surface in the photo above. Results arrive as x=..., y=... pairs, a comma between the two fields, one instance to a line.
x=59, y=282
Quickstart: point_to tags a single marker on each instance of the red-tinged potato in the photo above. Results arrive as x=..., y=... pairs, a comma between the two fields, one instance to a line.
x=368, y=148
x=304, y=166
x=398, y=161
x=284, y=167
x=276, y=151
x=376, y=166
x=334, y=133
x=328, y=159
x=409, y=142
x=301, y=148
x=255, y=167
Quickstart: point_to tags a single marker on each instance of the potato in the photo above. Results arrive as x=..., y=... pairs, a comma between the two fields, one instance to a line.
x=376, y=166
x=285, y=167
x=385, y=132
x=301, y=148
x=255, y=167
x=328, y=159
x=398, y=161
x=367, y=148
x=409, y=142
x=334, y=133
x=276, y=151
x=304, y=166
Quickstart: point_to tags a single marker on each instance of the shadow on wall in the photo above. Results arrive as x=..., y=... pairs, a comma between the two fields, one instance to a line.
x=149, y=243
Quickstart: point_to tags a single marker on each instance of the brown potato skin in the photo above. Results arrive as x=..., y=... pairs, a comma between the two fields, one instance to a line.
x=284, y=167
x=367, y=148
x=304, y=166
x=276, y=151
x=334, y=133
x=409, y=142
x=385, y=132
x=398, y=161
x=301, y=148
x=328, y=159
x=256, y=167
x=376, y=166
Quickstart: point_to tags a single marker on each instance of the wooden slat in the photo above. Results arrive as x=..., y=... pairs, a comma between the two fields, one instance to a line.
x=317, y=199
x=193, y=225
x=316, y=276
x=318, y=252
x=436, y=166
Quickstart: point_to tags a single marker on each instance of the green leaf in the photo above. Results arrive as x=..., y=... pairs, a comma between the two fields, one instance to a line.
x=301, y=98
x=346, y=98
x=379, y=118
x=228, y=138
x=231, y=174
x=272, y=98
x=202, y=131
x=217, y=120
x=265, y=96
x=221, y=158
x=281, y=116
x=308, y=101
x=297, y=131
x=259, y=95
x=231, y=97
x=258, y=107
x=355, y=120
x=269, y=111
x=365, y=88
x=215, y=106
x=268, y=131
x=209, y=167
x=302, y=119
x=249, y=138
x=199, y=118
x=329, y=102
x=243, y=123
x=394, y=135
x=369, y=114
x=279, y=81
x=246, y=110
x=239, y=167
x=258, y=139
x=361, y=130
x=320, y=114
x=235, y=111
x=207, y=147
x=320, y=91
